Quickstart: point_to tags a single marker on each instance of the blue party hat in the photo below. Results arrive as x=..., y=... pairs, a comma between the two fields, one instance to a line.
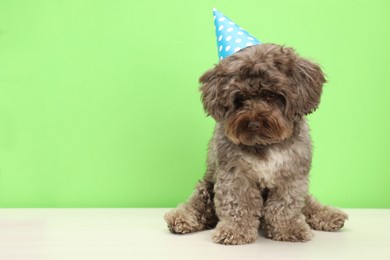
x=230, y=36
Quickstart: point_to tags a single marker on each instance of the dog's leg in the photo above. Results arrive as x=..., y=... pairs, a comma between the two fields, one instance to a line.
x=324, y=218
x=237, y=204
x=283, y=218
x=195, y=215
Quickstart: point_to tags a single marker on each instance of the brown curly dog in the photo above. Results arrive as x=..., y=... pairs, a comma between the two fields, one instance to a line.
x=260, y=155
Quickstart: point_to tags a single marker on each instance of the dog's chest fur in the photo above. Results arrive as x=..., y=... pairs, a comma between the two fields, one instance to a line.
x=278, y=162
x=265, y=168
x=268, y=165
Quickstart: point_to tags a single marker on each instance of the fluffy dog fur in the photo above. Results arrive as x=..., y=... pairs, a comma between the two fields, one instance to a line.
x=260, y=154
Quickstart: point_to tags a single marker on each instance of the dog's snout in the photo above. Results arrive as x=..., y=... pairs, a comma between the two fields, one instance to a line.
x=254, y=125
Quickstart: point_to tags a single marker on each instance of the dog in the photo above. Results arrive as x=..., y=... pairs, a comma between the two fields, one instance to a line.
x=260, y=155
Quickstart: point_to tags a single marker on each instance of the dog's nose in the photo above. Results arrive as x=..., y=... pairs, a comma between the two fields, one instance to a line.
x=254, y=125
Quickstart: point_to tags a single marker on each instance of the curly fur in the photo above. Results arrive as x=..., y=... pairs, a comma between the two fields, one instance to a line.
x=260, y=154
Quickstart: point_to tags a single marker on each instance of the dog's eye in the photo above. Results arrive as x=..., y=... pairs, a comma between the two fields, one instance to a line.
x=272, y=97
x=238, y=101
x=269, y=96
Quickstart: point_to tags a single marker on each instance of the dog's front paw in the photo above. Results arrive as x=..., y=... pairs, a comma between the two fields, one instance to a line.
x=232, y=234
x=182, y=221
x=294, y=231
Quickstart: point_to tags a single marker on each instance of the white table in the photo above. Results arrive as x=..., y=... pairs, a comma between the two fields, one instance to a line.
x=113, y=234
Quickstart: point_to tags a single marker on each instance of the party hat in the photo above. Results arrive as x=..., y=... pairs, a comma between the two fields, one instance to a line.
x=230, y=36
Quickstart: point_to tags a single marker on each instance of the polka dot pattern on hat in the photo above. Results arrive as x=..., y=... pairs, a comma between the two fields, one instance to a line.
x=230, y=37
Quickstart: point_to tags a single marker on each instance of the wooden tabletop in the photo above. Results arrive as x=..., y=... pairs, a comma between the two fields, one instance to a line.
x=112, y=234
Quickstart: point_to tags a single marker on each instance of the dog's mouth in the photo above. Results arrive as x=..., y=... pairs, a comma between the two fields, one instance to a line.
x=263, y=128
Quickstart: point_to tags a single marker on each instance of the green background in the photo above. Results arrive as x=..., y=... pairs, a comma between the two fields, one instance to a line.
x=99, y=102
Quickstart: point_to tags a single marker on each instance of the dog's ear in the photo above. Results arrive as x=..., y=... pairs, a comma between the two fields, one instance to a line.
x=210, y=88
x=309, y=79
